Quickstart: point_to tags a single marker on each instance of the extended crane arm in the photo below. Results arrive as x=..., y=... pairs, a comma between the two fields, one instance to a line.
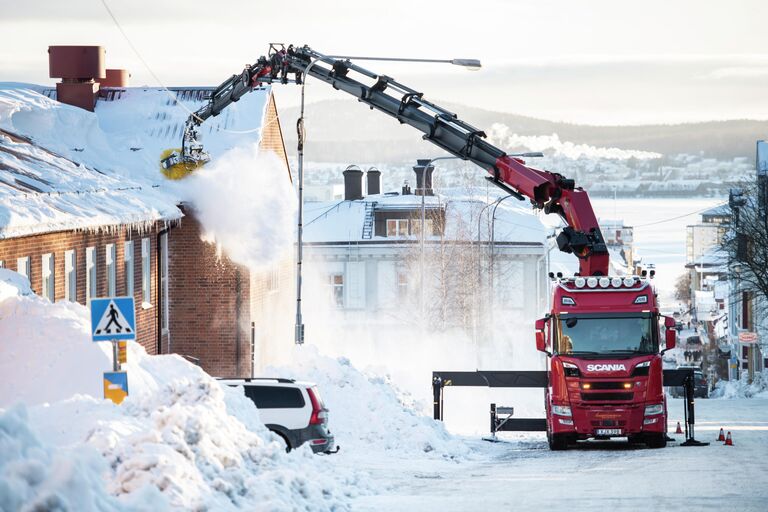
x=550, y=191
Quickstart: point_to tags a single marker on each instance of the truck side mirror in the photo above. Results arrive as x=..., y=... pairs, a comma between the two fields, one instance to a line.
x=670, y=333
x=541, y=340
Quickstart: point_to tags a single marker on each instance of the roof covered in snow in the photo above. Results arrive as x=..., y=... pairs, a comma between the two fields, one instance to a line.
x=343, y=221
x=63, y=168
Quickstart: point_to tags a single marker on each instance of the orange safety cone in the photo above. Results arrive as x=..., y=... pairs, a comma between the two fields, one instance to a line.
x=728, y=440
x=721, y=437
x=679, y=430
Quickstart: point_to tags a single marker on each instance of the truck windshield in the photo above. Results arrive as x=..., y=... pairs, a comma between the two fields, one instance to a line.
x=600, y=335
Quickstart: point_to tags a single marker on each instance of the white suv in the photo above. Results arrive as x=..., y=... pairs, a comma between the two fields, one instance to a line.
x=291, y=409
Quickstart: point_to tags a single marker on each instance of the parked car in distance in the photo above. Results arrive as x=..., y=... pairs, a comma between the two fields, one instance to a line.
x=700, y=386
x=291, y=409
x=693, y=340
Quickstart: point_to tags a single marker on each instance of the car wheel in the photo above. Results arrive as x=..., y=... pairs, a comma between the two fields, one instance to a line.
x=288, y=447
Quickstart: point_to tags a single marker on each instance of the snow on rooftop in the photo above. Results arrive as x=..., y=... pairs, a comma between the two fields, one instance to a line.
x=62, y=167
x=342, y=221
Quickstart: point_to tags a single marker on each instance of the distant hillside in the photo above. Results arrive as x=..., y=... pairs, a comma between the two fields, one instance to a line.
x=345, y=131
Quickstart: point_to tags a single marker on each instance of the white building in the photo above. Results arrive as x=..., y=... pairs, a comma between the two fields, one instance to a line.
x=367, y=254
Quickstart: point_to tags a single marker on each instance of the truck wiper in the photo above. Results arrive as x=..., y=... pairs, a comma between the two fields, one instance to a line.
x=581, y=352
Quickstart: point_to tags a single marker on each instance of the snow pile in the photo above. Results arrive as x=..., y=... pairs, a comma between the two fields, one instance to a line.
x=179, y=441
x=245, y=203
x=500, y=133
x=730, y=389
x=368, y=413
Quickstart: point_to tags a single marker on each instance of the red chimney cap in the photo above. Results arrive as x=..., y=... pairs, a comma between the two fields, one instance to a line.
x=76, y=62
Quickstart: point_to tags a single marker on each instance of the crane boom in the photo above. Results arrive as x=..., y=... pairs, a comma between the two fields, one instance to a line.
x=547, y=190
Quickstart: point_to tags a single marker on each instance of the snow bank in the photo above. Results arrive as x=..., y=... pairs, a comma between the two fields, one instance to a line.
x=179, y=441
x=368, y=413
x=730, y=389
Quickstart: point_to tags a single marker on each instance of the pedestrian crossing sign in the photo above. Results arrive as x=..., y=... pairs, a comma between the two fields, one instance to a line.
x=113, y=318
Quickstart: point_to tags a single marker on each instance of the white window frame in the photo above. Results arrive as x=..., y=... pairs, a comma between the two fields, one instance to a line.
x=336, y=289
x=70, y=275
x=2, y=264
x=91, y=274
x=273, y=278
x=47, y=269
x=400, y=227
x=110, y=255
x=128, y=267
x=146, y=273
x=401, y=277
x=23, y=268
x=164, y=320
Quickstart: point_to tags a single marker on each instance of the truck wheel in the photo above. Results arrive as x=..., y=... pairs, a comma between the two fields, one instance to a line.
x=557, y=442
x=656, y=440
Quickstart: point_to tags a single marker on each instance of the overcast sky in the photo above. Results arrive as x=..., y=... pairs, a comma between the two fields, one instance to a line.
x=587, y=61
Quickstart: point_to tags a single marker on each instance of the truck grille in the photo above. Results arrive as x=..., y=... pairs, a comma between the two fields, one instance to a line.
x=595, y=397
x=606, y=385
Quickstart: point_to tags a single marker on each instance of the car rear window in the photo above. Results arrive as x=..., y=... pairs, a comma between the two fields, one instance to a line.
x=275, y=397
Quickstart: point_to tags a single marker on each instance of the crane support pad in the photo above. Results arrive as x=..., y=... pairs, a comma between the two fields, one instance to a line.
x=493, y=379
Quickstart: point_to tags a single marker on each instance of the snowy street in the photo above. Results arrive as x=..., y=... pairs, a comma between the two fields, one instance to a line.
x=524, y=474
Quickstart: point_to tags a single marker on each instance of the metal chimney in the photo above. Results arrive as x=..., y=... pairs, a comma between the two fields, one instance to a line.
x=373, y=177
x=423, y=177
x=353, y=183
x=79, y=67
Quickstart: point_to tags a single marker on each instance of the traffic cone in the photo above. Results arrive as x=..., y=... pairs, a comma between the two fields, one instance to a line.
x=679, y=429
x=728, y=440
x=721, y=437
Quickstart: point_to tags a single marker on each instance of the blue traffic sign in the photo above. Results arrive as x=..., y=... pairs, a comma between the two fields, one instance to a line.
x=113, y=318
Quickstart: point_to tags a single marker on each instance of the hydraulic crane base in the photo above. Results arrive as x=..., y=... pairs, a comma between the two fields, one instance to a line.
x=539, y=379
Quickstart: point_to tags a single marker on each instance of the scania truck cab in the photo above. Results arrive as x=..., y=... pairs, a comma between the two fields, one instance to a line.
x=603, y=343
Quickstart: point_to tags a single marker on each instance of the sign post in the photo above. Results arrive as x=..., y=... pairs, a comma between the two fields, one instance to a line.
x=113, y=319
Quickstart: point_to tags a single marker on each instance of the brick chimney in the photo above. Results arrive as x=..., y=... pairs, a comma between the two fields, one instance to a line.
x=373, y=177
x=353, y=183
x=80, y=68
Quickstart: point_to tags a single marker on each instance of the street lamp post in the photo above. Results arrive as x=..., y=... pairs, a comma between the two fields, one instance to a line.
x=471, y=64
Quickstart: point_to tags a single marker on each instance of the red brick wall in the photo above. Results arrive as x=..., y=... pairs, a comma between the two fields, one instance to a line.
x=209, y=300
x=35, y=246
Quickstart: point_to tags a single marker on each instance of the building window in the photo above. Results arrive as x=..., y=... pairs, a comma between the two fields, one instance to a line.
x=336, y=282
x=146, y=296
x=22, y=267
x=402, y=283
x=128, y=267
x=109, y=257
x=416, y=227
x=397, y=227
x=70, y=276
x=164, y=281
x=90, y=273
x=47, y=273
x=273, y=279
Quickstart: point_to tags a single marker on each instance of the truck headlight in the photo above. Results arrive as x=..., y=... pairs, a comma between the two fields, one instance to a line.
x=561, y=410
x=652, y=410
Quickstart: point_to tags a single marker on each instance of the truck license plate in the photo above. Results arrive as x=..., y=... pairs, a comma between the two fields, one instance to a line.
x=608, y=432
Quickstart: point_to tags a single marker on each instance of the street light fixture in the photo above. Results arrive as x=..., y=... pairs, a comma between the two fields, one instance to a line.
x=471, y=64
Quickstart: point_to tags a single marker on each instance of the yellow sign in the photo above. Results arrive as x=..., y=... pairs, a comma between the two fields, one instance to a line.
x=122, y=352
x=116, y=386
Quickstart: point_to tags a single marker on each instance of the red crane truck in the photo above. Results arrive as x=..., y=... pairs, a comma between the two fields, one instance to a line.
x=602, y=334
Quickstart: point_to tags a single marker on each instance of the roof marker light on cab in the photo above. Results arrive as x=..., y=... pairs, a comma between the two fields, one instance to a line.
x=616, y=282
x=579, y=282
x=604, y=282
x=628, y=281
x=592, y=282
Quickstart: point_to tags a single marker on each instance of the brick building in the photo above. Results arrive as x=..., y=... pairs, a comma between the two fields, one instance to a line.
x=118, y=227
